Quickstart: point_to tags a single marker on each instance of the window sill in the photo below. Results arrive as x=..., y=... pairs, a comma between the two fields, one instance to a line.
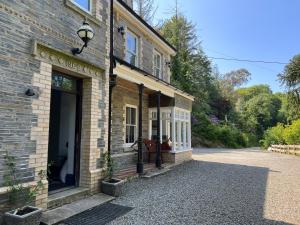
x=83, y=12
x=127, y=145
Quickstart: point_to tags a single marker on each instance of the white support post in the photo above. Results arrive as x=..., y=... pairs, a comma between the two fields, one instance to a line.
x=184, y=135
x=179, y=134
x=173, y=130
x=189, y=132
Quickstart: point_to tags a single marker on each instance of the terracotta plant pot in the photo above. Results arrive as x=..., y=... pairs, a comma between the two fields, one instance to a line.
x=112, y=187
x=28, y=215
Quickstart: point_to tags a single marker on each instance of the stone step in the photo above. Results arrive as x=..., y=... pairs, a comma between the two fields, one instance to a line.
x=156, y=173
x=68, y=196
x=61, y=213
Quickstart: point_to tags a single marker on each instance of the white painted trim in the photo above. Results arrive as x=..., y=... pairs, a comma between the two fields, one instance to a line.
x=173, y=130
x=155, y=52
x=128, y=31
x=138, y=78
x=127, y=145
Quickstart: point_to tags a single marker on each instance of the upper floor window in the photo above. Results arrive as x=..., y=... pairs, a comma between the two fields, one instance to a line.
x=84, y=4
x=157, y=64
x=131, y=49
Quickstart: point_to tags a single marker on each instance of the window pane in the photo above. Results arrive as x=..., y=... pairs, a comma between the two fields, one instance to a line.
x=133, y=116
x=131, y=43
x=154, y=129
x=64, y=83
x=130, y=124
x=157, y=72
x=84, y=4
x=130, y=58
x=131, y=137
x=158, y=61
x=127, y=115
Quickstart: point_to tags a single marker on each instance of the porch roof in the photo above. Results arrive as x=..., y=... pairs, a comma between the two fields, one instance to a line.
x=136, y=75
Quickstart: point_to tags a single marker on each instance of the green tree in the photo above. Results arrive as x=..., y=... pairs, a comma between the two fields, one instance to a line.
x=146, y=9
x=182, y=34
x=292, y=133
x=273, y=136
x=260, y=113
x=290, y=78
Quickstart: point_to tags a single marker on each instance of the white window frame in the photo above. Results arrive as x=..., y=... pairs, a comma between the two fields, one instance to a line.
x=84, y=9
x=127, y=145
x=183, y=118
x=155, y=66
x=168, y=121
x=137, y=47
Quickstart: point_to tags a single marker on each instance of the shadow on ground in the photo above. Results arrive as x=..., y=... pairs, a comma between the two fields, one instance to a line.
x=199, y=192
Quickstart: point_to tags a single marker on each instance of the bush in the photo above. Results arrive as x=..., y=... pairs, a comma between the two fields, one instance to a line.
x=292, y=133
x=206, y=133
x=273, y=136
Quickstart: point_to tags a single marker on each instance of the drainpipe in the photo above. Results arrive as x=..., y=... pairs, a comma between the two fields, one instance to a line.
x=112, y=76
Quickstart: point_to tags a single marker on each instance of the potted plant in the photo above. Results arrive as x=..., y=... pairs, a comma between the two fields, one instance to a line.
x=110, y=185
x=21, y=197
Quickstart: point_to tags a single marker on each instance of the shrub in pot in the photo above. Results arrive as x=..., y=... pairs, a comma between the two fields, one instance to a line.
x=110, y=185
x=21, y=197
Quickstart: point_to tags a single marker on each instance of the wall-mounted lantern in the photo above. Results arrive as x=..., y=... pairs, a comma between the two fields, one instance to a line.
x=30, y=92
x=121, y=30
x=86, y=33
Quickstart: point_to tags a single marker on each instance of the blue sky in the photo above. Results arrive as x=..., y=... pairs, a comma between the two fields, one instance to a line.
x=266, y=30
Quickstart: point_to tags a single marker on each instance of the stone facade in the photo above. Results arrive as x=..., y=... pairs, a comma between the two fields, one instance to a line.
x=36, y=38
x=146, y=48
x=183, y=103
x=125, y=94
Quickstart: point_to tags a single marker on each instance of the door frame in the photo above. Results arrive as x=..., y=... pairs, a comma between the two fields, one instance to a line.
x=78, y=120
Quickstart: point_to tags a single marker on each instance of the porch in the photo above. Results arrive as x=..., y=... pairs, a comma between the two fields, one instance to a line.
x=148, y=126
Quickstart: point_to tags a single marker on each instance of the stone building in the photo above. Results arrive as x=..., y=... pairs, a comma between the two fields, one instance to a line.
x=54, y=105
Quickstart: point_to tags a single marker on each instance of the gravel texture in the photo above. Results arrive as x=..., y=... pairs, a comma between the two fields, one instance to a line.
x=220, y=186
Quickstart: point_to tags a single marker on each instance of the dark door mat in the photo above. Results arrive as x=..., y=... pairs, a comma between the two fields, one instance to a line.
x=98, y=215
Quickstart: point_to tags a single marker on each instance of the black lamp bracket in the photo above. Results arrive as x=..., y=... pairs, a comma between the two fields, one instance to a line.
x=76, y=51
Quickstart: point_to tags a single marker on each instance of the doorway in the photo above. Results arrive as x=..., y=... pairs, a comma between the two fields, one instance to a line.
x=64, y=132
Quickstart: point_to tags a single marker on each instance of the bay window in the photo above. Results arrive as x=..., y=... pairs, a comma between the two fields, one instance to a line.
x=175, y=126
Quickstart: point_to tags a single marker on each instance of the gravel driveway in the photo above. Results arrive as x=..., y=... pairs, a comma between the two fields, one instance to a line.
x=219, y=186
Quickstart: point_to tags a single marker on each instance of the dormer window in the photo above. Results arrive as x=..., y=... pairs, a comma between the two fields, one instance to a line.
x=157, y=64
x=84, y=4
x=131, y=48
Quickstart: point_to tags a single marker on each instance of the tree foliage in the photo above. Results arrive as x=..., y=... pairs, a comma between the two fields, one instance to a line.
x=145, y=9
x=223, y=113
x=282, y=134
x=290, y=78
x=292, y=133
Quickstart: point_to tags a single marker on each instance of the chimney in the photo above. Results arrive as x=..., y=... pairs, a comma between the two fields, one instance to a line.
x=129, y=3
